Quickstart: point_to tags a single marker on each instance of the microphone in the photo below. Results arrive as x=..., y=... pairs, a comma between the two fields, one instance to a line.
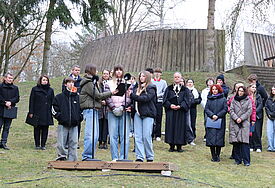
x=127, y=76
x=95, y=79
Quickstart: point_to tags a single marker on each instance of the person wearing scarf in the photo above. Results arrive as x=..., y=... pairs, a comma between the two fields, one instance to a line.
x=40, y=105
x=239, y=126
x=216, y=108
x=270, y=127
x=177, y=101
x=193, y=109
x=144, y=98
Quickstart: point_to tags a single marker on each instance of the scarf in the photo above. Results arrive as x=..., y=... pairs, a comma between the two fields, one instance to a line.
x=239, y=98
x=194, y=91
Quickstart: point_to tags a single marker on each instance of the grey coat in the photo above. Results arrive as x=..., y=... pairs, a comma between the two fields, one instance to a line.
x=243, y=110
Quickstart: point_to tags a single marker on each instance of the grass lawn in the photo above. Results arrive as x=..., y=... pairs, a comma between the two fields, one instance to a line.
x=23, y=162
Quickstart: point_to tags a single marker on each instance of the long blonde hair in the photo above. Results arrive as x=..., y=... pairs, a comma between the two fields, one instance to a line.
x=143, y=86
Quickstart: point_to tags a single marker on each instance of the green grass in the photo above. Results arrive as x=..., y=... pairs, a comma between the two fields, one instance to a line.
x=22, y=162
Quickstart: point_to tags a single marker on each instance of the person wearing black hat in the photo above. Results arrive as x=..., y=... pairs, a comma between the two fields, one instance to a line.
x=221, y=82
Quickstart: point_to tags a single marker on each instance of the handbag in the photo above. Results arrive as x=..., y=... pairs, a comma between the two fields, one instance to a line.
x=32, y=121
x=10, y=113
x=210, y=123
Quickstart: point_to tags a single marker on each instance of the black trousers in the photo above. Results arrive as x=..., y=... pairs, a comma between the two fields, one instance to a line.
x=158, y=121
x=193, y=118
x=103, y=130
x=256, y=139
x=6, y=128
x=241, y=153
x=41, y=135
x=215, y=152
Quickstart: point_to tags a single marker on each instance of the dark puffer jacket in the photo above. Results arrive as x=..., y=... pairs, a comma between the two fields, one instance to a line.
x=146, y=101
x=66, y=109
x=216, y=105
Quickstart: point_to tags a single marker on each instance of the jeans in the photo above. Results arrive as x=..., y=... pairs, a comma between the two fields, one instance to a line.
x=270, y=132
x=70, y=135
x=143, y=138
x=6, y=129
x=88, y=135
x=116, y=131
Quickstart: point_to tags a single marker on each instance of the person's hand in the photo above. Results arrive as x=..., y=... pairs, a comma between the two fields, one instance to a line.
x=30, y=115
x=172, y=106
x=128, y=109
x=115, y=92
x=103, y=102
x=239, y=120
x=8, y=103
x=253, y=123
x=177, y=107
x=214, y=117
x=128, y=92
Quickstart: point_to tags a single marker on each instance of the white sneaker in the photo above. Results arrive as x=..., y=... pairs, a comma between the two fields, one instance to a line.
x=258, y=150
x=162, y=133
x=192, y=143
x=204, y=139
x=251, y=150
x=114, y=160
x=158, y=139
x=131, y=135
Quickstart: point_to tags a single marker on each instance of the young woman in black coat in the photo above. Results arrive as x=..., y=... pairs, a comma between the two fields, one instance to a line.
x=40, y=105
x=177, y=100
x=216, y=108
x=193, y=110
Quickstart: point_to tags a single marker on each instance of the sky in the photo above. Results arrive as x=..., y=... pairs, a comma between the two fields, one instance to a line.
x=191, y=14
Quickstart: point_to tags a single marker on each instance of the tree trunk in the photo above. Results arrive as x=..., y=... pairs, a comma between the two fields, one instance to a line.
x=210, y=38
x=7, y=51
x=47, y=41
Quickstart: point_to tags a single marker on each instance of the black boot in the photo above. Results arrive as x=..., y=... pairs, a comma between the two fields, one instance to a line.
x=179, y=148
x=213, y=154
x=172, y=148
x=218, y=152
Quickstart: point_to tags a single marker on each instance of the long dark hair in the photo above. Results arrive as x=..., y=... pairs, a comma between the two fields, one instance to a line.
x=272, y=95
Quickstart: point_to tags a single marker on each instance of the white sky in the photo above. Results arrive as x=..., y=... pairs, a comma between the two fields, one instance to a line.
x=191, y=14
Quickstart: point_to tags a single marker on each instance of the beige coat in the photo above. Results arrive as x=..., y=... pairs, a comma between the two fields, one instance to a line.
x=243, y=110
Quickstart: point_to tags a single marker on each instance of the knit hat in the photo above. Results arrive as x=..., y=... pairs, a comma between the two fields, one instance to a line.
x=221, y=76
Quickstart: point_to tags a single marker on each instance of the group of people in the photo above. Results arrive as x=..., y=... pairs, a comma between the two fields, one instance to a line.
x=109, y=112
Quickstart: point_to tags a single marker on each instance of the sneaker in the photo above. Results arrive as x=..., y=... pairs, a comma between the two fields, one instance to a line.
x=43, y=148
x=251, y=149
x=139, y=160
x=131, y=135
x=258, y=150
x=204, y=139
x=4, y=146
x=158, y=139
x=37, y=147
x=114, y=160
x=192, y=143
x=149, y=161
x=61, y=159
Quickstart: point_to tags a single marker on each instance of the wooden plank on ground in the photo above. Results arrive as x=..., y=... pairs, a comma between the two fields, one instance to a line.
x=98, y=165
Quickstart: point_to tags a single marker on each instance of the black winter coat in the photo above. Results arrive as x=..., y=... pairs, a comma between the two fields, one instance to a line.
x=225, y=90
x=259, y=106
x=216, y=105
x=8, y=92
x=262, y=92
x=270, y=108
x=66, y=109
x=146, y=101
x=40, y=104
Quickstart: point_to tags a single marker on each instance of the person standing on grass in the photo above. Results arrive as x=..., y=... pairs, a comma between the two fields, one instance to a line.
x=40, y=105
x=144, y=98
x=103, y=115
x=66, y=110
x=220, y=80
x=9, y=96
x=255, y=141
x=253, y=114
x=116, y=116
x=161, y=86
x=193, y=109
x=177, y=101
x=204, y=94
x=215, y=109
x=91, y=97
x=239, y=126
x=270, y=124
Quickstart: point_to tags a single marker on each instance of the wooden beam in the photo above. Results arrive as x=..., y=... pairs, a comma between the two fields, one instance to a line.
x=99, y=165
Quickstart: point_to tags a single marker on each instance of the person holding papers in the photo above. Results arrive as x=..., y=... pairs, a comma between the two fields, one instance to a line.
x=215, y=109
